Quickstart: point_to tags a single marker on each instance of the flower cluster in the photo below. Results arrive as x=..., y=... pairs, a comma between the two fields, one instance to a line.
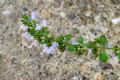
x=27, y=36
x=35, y=29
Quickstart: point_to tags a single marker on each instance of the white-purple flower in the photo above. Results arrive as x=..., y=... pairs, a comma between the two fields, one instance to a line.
x=54, y=45
x=33, y=15
x=38, y=27
x=115, y=20
x=44, y=23
x=51, y=49
x=27, y=36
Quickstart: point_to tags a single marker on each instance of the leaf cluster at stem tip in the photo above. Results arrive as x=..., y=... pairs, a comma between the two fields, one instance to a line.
x=43, y=36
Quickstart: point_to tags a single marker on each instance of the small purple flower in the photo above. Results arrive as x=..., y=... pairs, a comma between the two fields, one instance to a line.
x=44, y=23
x=38, y=27
x=51, y=49
x=45, y=48
x=33, y=15
x=54, y=45
x=27, y=36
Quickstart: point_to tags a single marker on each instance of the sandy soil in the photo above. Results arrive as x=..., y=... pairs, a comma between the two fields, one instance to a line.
x=90, y=18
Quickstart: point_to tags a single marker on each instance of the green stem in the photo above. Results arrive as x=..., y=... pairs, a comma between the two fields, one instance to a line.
x=109, y=48
x=104, y=47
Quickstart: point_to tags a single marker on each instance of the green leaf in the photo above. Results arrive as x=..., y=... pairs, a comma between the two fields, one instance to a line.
x=33, y=22
x=115, y=49
x=45, y=40
x=59, y=39
x=103, y=57
x=95, y=52
x=67, y=37
x=102, y=40
x=70, y=48
x=25, y=20
x=25, y=17
x=44, y=31
x=118, y=55
x=80, y=50
x=48, y=40
x=80, y=39
x=91, y=45
x=31, y=31
x=61, y=48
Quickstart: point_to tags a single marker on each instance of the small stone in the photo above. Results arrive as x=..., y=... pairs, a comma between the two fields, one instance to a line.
x=88, y=13
x=115, y=20
x=62, y=14
x=71, y=15
x=74, y=31
x=99, y=76
x=6, y=13
x=79, y=77
x=75, y=78
x=45, y=14
x=84, y=67
x=105, y=66
x=110, y=44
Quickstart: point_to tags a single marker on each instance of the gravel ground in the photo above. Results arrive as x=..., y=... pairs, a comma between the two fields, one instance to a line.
x=90, y=18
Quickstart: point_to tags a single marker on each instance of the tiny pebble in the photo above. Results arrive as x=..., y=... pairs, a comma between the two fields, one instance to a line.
x=115, y=20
